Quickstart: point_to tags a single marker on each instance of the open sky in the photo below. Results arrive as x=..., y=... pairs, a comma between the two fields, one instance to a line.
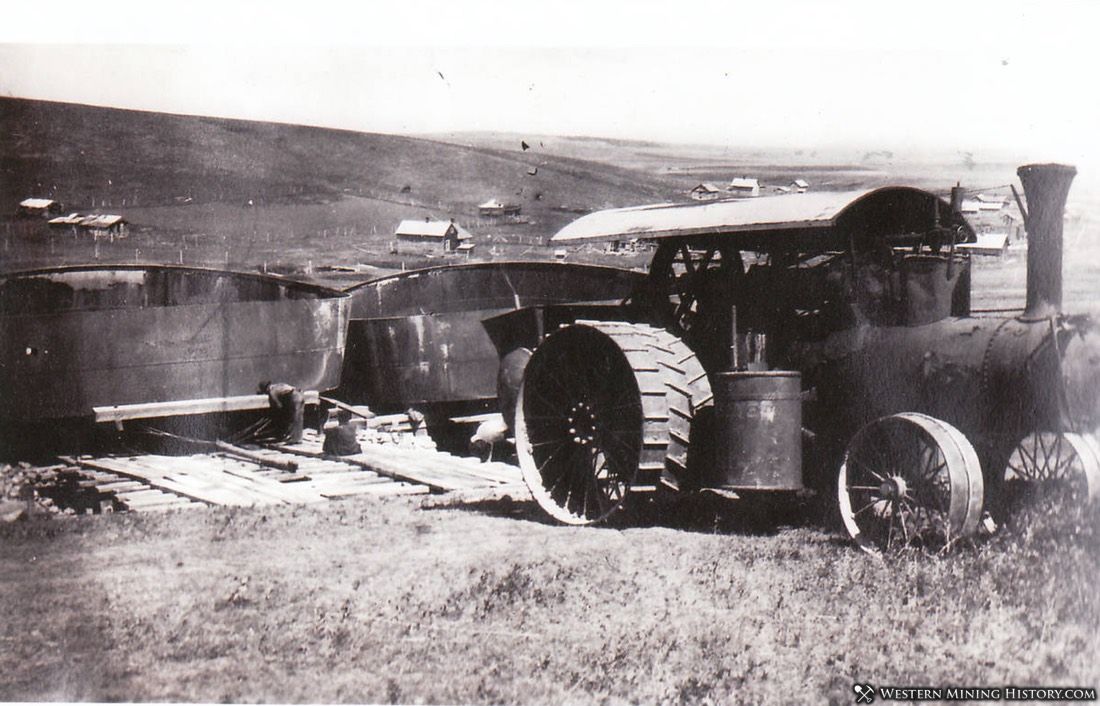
x=1010, y=76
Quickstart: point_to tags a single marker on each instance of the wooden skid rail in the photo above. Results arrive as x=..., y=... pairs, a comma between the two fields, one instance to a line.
x=150, y=410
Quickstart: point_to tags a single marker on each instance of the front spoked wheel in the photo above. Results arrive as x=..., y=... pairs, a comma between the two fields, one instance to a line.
x=909, y=480
x=1052, y=474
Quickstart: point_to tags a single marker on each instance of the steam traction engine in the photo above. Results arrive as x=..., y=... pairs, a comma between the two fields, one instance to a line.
x=837, y=319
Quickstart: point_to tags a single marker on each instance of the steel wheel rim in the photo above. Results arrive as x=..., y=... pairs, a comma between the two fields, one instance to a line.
x=909, y=480
x=1050, y=472
x=579, y=437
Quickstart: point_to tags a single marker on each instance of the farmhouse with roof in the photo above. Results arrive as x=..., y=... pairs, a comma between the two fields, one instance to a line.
x=987, y=202
x=104, y=224
x=495, y=207
x=705, y=192
x=449, y=233
x=744, y=186
x=38, y=208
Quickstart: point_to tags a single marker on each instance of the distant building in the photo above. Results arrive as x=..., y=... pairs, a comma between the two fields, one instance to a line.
x=970, y=206
x=744, y=187
x=466, y=249
x=987, y=244
x=800, y=185
x=449, y=233
x=533, y=171
x=106, y=224
x=494, y=207
x=705, y=192
x=73, y=219
x=38, y=208
x=990, y=203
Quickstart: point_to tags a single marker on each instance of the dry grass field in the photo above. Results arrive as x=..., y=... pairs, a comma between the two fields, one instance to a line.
x=404, y=602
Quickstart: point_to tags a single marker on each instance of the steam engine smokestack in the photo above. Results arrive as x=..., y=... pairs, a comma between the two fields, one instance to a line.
x=1045, y=187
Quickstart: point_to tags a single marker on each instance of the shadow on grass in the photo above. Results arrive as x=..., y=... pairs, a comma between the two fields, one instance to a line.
x=760, y=515
x=506, y=507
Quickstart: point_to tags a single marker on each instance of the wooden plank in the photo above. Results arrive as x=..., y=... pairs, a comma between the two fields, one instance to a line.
x=239, y=478
x=151, y=410
x=195, y=492
x=516, y=492
x=153, y=481
x=212, y=492
x=120, y=486
x=151, y=495
x=473, y=419
x=280, y=463
x=146, y=492
x=329, y=468
x=416, y=471
x=357, y=411
x=152, y=498
x=98, y=475
x=496, y=472
x=415, y=465
x=389, y=471
x=289, y=477
x=248, y=478
x=357, y=475
x=381, y=490
x=442, y=465
x=182, y=504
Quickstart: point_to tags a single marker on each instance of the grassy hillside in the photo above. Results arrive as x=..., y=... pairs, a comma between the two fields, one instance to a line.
x=831, y=168
x=275, y=192
x=212, y=191
x=80, y=152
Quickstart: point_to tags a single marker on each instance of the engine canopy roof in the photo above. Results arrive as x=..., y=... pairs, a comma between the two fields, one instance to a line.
x=823, y=220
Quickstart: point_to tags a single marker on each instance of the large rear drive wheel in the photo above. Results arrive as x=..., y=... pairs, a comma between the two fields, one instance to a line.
x=605, y=412
x=910, y=479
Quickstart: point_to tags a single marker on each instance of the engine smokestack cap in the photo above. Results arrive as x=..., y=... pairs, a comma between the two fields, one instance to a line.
x=1033, y=169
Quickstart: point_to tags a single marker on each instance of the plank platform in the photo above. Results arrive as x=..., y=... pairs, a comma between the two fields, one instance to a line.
x=155, y=483
x=414, y=463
